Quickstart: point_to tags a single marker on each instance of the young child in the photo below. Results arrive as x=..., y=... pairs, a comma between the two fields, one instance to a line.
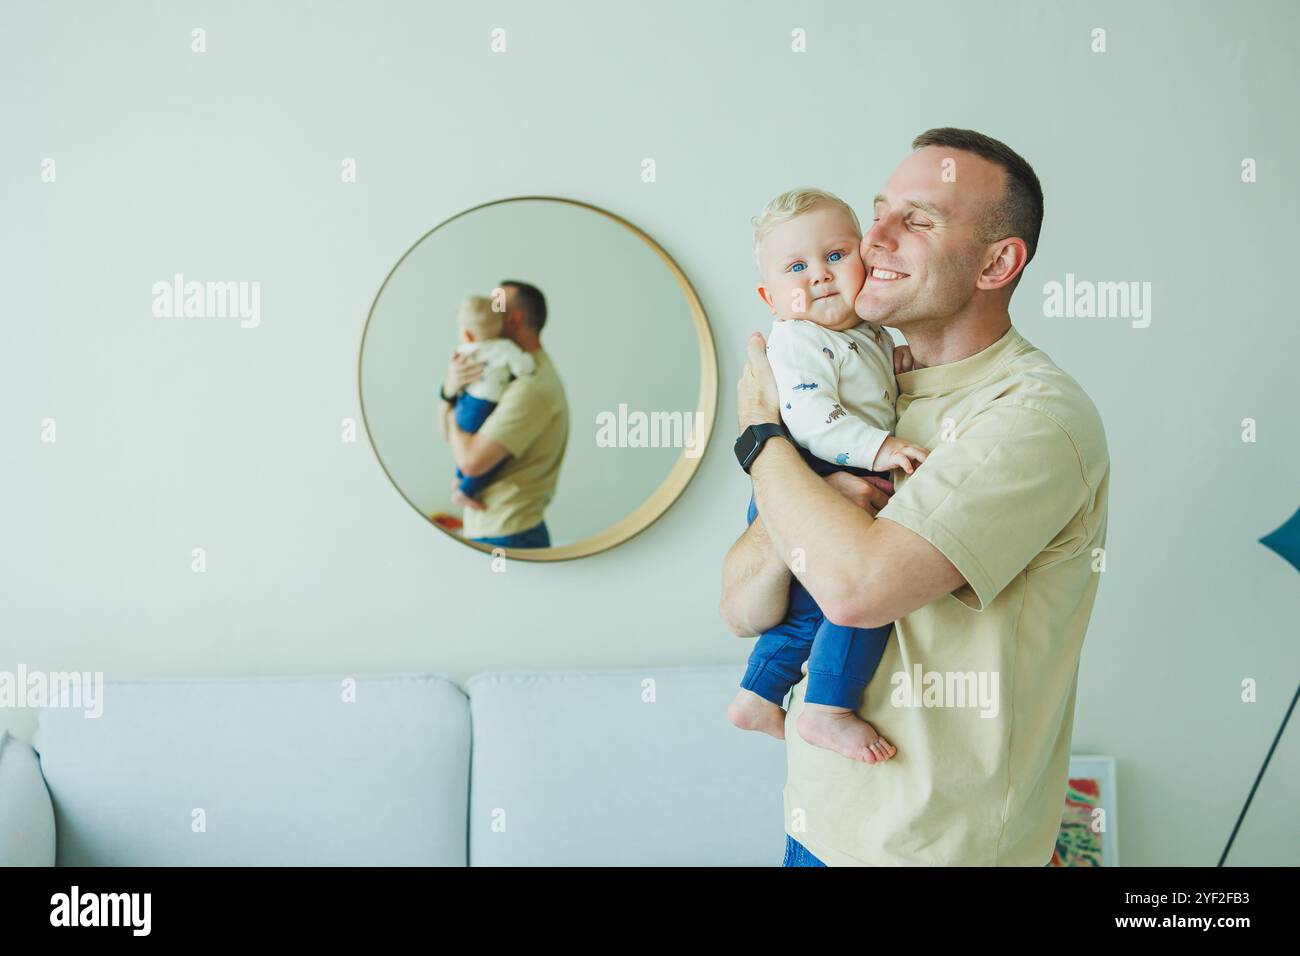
x=835, y=376
x=480, y=334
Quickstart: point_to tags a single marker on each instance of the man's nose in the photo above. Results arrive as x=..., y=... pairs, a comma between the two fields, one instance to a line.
x=879, y=236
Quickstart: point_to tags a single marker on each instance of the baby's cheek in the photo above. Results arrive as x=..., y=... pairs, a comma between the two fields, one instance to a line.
x=862, y=272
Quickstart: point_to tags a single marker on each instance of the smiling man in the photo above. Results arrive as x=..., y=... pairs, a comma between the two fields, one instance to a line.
x=986, y=558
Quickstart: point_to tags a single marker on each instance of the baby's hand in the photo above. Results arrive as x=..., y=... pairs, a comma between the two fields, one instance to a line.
x=896, y=453
x=462, y=500
x=903, y=359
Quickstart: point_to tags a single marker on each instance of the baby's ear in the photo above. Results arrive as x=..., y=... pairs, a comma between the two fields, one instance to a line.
x=765, y=296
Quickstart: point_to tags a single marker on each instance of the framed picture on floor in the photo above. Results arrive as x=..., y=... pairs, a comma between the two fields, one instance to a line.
x=1089, y=836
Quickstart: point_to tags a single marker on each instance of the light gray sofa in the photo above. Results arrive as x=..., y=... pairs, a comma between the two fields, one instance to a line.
x=633, y=767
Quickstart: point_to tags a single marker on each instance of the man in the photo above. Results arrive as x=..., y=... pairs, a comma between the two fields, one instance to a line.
x=986, y=558
x=530, y=426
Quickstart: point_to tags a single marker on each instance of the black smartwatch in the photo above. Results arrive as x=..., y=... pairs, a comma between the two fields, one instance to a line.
x=449, y=401
x=752, y=439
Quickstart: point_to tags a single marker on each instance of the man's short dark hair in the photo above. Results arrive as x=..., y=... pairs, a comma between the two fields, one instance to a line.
x=529, y=298
x=1019, y=211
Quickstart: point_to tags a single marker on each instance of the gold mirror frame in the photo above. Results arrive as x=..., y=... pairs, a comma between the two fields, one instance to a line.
x=669, y=490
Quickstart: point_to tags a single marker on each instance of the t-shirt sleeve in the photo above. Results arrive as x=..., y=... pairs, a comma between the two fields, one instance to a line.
x=519, y=417
x=993, y=497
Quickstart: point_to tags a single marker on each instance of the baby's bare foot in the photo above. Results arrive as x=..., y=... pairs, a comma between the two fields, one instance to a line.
x=749, y=711
x=843, y=731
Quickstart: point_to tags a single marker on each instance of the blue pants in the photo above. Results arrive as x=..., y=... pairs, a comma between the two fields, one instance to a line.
x=535, y=537
x=471, y=413
x=796, y=854
x=840, y=659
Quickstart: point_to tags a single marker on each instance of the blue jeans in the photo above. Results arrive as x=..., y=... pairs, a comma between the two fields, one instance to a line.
x=535, y=537
x=471, y=413
x=796, y=854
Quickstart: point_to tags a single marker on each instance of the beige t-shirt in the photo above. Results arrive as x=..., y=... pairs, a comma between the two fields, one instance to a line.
x=976, y=689
x=532, y=422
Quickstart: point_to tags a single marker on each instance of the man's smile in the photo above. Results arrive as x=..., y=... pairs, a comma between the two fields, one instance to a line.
x=884, y=275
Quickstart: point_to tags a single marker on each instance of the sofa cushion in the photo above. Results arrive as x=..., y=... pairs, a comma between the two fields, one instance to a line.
x=627, y=767
x=283, y=771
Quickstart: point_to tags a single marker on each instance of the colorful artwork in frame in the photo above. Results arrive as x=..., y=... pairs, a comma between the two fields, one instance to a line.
x=1088, y=836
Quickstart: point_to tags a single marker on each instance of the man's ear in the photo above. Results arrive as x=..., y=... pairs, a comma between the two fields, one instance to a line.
x=1007, y=260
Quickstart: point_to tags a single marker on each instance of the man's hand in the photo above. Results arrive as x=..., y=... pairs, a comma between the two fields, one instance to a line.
x=896, y=453
x=870, y=493
x=903, y=361
x=462, y=370
x=757, y=398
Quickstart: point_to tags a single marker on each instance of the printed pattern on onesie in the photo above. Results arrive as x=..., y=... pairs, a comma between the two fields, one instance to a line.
x=837, y=388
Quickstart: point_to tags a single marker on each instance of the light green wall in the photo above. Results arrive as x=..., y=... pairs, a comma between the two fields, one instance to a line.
x=174, y=434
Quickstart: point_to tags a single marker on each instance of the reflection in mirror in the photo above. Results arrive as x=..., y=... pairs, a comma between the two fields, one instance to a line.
x=581, y=366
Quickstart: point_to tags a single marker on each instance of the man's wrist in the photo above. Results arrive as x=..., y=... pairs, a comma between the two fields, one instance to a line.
x=753, y=437
x=759, y=454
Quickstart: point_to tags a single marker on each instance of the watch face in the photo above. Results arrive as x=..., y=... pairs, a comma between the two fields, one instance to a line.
x=745, y=446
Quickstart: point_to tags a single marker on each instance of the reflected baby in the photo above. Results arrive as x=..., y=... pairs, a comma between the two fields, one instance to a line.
x=503, y=361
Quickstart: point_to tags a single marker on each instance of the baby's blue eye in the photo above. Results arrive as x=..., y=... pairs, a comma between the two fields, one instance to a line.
x=838, y=254
x=798, y=267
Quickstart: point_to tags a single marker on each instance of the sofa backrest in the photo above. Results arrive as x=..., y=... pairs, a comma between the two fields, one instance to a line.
x=261, y=772
x=626, y=767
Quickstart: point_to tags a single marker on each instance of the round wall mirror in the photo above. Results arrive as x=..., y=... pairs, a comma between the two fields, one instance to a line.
x=596, y=389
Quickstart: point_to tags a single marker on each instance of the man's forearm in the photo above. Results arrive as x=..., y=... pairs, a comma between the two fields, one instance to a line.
x=459, y=440
x=820, y=535
x=755, y=583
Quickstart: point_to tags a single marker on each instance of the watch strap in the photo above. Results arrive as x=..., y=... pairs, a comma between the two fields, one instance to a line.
x=761, y=433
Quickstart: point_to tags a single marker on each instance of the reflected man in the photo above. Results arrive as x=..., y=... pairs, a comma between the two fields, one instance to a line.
x=530, y=427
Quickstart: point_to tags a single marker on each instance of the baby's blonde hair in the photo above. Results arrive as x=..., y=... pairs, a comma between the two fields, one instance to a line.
x=476, y=315
x=793, y=202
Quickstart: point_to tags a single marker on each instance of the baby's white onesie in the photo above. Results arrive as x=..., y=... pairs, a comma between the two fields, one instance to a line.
x=838, y=392
x=502, y=359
